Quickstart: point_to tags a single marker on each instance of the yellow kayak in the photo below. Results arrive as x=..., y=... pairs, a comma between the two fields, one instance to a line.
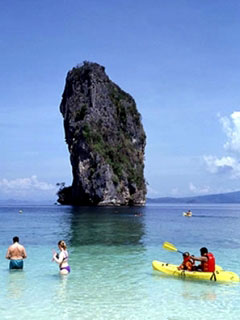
x=219, y=275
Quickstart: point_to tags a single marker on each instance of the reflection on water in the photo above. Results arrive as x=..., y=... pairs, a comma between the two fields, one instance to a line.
x=15, y=283
x=61, y=289
x=106, y=226
x=200, y=296
x=199, y=292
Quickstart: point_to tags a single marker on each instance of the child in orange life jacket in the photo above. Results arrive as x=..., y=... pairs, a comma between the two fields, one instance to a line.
x=187, y=263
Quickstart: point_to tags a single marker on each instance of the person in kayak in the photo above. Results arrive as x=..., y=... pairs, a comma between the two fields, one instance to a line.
x=188, y=262
x=207, y=260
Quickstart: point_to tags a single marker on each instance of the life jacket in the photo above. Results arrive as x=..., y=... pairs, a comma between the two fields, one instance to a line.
x=208, y=266
x=187, y=264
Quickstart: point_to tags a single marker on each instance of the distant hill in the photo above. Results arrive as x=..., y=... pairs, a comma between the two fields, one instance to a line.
x=231, y=197
x=16, y=202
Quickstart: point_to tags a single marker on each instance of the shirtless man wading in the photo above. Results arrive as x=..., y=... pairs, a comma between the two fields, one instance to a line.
x=16, y=253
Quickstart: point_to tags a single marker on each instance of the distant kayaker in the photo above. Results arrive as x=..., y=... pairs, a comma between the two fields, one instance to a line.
x=189, y=213
x=16, y=253
x=188, y=262
x=207, y=260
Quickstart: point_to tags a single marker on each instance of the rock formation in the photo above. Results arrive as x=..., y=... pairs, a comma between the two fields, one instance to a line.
x=105, y=139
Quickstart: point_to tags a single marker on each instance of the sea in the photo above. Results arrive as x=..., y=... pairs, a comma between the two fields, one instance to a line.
x=110, y=253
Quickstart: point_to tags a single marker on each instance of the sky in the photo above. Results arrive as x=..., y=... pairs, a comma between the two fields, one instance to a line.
x=179, y=59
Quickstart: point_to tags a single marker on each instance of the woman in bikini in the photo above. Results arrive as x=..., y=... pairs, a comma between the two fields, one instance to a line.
x=62, y=258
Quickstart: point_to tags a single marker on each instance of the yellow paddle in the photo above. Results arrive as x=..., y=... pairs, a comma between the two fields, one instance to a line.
x=170, y=247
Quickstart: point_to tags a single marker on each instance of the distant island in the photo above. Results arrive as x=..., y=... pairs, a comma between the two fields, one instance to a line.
x=230, y=197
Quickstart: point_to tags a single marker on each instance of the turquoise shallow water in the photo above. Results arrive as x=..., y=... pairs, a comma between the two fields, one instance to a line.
x=111, y=251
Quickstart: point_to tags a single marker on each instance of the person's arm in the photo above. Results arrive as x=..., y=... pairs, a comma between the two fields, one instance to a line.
x=8, y=255
x=24, y=254
x=201, y=259
x=59, y=259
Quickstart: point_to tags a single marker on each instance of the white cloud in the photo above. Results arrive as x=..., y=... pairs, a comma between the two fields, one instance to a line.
x=229, y=164
x=223, y=165
x=198, y=190
x=231, y=127
x=152, y=192
x=175, y=192
x=25, y=184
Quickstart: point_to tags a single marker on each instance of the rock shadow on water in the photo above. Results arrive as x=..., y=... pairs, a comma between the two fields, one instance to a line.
x=106, y=226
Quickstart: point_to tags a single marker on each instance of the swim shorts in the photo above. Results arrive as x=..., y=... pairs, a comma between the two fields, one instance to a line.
x=16, y=264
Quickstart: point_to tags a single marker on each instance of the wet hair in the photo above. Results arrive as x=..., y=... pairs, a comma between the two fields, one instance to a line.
x=203, y=251
x=62, y=244
x=15, y=239
x=186, y=254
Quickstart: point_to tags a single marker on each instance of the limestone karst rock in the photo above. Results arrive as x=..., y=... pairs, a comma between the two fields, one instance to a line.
x=105, y=138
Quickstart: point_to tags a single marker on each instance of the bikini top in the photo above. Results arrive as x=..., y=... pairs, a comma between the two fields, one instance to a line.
x=65, y=256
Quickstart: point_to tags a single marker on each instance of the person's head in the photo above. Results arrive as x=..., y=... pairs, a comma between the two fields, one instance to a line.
x=62, y=245
x=203, y=251
x=15, y=239
x=186, y=254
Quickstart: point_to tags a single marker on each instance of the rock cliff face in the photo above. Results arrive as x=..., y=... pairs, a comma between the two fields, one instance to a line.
x=105, y=139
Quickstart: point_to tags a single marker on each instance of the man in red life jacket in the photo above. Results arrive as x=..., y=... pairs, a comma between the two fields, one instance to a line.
x=187, y=263
x=207, y=260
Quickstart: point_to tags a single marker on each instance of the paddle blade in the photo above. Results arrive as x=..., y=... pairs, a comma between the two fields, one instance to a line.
x=169, y=246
